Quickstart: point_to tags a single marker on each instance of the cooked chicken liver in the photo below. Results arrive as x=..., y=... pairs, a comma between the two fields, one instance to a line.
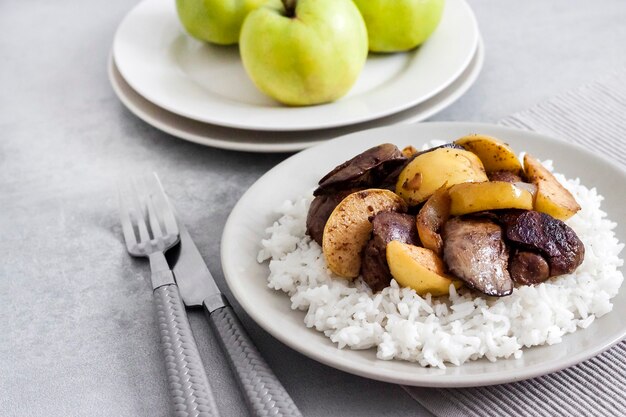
x=390, y=225
x=374, y=268
x=386, y=226
x=551, y=237
x=474, y=251
x=366, y=170
x=506, y=176
x=319, y=211
x=528, y=268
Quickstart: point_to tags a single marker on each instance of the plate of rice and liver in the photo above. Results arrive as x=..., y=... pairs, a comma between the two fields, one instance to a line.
x=438, y=254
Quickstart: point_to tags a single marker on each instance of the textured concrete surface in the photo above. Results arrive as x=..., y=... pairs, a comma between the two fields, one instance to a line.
x=79, y=336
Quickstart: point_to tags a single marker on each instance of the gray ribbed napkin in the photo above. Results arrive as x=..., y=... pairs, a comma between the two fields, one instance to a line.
x=593, y=116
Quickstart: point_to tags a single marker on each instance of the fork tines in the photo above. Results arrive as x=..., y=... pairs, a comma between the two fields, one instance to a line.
x=148, y=221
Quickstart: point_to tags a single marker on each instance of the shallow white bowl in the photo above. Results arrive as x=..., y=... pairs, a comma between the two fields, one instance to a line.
x=297, y=175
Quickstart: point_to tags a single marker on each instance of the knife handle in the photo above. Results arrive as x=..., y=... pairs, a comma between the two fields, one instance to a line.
x=264, y=393
x=189, y=387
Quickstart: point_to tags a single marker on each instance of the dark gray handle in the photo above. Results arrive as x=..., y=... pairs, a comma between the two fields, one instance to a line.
x=189, y=387
x=264, y=393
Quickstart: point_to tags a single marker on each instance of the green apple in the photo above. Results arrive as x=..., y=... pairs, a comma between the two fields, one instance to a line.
x=307, y=52
x=399, y=25
x=217, y=21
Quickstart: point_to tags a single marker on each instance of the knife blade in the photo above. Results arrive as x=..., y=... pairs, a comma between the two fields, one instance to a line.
x=265, y=395
x=195, y=282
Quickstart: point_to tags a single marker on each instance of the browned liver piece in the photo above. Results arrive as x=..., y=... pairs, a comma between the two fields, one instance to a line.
x=319, y=211
x=542, y=233
x=386, y=226
x=528, y=268
x=368, y=169
x=474, y=251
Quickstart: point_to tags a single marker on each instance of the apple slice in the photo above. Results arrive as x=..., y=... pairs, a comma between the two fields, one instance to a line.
x=431, y=218
x=428, y=171
x=348, y=228
x=492, y=195
x=493, y=153
x=419, y=268
x=551, y=198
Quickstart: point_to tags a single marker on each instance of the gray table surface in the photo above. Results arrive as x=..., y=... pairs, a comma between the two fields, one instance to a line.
x=78, y=332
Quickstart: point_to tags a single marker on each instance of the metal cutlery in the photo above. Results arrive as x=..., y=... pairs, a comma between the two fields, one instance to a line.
x=188, y=384
x=265, y=395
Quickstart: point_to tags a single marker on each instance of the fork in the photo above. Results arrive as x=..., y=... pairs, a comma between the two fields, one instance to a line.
x=187, y=380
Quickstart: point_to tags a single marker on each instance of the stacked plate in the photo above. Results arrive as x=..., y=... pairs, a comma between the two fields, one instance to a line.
x=200, y=92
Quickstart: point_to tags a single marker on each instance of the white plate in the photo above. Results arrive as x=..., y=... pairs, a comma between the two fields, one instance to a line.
x=246, y=140
x=208, y=83
x=295, y=176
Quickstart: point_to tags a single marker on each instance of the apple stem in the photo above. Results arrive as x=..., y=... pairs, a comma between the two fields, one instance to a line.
x=290, y=7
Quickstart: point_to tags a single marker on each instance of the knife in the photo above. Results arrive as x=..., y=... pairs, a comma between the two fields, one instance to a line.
x=265, y=395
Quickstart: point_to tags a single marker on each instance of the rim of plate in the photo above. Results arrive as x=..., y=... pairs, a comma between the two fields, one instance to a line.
x=148, y=66
x=244, y=140
x=364, y=363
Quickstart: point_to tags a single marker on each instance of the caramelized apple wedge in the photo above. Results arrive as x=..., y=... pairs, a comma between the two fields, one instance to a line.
x=431, y=218
x=493, y=153
x=492, y=195
x=428, y=171
x=419, y=268
x=348, y=228
x=551, y=198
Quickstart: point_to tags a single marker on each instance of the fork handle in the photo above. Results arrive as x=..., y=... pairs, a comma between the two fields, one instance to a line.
x=188, y=384
x=264, y=393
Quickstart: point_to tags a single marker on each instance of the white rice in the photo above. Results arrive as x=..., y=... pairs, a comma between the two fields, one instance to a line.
x=445, y=330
